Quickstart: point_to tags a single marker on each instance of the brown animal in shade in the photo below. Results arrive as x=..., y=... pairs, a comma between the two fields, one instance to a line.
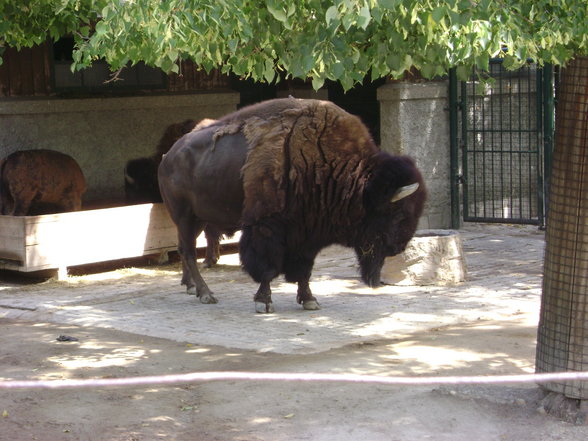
x=141, y=185
x=39, y=182
x=295, y=176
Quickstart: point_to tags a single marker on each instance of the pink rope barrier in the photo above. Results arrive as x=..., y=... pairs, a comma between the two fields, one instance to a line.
x=272, y=376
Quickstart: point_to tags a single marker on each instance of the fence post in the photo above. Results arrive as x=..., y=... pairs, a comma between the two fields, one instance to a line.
x=548, y=132
x=454, y=154
x=562, y=337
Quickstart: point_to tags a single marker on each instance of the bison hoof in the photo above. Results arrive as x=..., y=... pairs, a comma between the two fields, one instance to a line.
x=191, y=291
x=208, y=299
x=264, y=308
x=311, y=305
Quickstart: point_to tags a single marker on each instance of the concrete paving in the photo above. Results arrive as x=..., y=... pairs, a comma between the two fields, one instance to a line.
x=504, y=265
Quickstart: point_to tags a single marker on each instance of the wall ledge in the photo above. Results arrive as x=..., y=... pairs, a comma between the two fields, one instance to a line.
x=413, y=91
x=20, y=106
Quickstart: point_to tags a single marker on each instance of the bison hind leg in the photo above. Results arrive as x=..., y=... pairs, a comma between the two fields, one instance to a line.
x=213, y=236
x=188, y=228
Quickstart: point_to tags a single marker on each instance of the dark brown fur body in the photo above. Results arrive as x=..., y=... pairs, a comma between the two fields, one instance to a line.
x=39, y=181
x=296, y=176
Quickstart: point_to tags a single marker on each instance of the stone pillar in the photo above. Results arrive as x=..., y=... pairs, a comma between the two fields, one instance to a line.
x=414, y=121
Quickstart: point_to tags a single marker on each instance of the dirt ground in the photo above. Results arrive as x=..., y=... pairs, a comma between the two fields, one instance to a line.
x=493, y=339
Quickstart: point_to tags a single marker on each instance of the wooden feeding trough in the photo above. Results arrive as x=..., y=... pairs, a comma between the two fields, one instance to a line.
x=57, y=241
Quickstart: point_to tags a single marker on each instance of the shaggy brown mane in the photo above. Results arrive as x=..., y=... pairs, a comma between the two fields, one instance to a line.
x=287, y=139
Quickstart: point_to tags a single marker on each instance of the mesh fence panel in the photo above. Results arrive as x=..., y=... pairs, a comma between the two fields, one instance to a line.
x=503, y=140
x=563, y=327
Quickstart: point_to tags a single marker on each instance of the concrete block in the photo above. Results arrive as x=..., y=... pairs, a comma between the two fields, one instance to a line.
x=432, y=257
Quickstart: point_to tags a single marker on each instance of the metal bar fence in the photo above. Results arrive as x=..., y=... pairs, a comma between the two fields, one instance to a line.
x=501, y=144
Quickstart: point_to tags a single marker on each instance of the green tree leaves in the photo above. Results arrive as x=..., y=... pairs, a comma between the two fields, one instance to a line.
x=342, y=40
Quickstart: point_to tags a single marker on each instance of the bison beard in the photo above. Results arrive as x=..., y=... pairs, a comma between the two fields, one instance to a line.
x=310, y=176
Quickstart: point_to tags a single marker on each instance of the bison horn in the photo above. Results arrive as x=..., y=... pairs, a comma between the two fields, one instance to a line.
x=129, y=180
x=405, y=191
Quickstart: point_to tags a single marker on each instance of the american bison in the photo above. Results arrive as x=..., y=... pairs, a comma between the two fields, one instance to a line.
x=296, y=176
x=40, y=181
x=141, y=185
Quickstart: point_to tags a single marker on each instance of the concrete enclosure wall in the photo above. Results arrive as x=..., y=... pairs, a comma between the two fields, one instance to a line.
x=102, y=134
x=414, y=121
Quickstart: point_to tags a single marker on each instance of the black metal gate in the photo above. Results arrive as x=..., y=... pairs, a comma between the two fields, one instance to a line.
x=501, y=145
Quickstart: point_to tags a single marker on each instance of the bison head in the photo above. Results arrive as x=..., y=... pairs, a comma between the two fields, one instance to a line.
x=393, y=199
x=141, y=184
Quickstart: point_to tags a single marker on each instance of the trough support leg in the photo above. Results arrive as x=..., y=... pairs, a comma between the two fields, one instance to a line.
x=163, y=258
x=61, y=273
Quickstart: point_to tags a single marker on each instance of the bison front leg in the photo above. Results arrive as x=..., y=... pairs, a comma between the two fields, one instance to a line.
x=261, y=250
x=305, y=297
x=263, y=299
x=298, y=270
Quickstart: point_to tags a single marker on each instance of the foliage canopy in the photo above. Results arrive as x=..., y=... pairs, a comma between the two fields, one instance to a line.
x=341, y=40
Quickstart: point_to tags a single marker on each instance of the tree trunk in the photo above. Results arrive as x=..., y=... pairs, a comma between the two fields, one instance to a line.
x=562, y=340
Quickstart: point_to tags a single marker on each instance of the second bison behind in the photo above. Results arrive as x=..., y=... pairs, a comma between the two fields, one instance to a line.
x=296, y=176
